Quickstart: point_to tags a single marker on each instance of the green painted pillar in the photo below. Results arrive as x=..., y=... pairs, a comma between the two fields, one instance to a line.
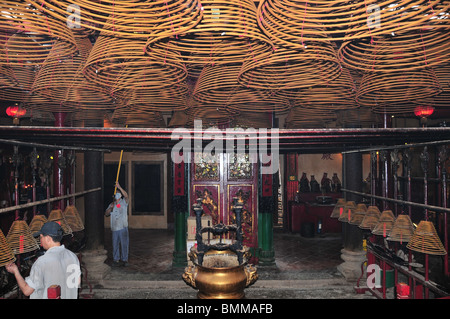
x=265, y=239
x=180, y=252
x=180, y=209
x=267, y=207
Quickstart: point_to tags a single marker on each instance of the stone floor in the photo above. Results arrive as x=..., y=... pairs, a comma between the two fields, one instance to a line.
x=305, y=269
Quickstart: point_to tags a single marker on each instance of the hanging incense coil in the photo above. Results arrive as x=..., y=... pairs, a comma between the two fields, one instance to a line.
x=32, y=34
x=347, y=212
x=119, y=65
x=337, y=211
x=371, y=218
x=6, y=76
x=288, y=68
x=60, y=79
x=402, y=230
x=209, y=115
x=406, y=51
x=227, y=34
x=130, y=19
x=440, y=100
x=57, y=216
x=330, y=95
x=20, y=238
x=426, y=240
x=36, y=223
x=385, y=223
x=6, y=253
x=22, y=80
x=292, y=21
x=56, y=75
x=73, y=218
x=218, y=85
x=358, y=216
x=393, y=88
x=171, y=98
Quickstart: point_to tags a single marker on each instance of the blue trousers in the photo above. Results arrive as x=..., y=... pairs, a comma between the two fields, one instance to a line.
x=120, y=239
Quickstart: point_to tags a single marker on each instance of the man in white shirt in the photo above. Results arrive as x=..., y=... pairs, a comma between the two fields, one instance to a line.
x=58, y=266
x=118, y=210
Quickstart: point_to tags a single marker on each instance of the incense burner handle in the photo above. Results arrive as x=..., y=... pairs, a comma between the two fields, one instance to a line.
x=189, y=275
x=252, y=275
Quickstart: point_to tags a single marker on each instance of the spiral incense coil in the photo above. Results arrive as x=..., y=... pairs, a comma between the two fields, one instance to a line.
x=347, y=212
x=35, y=225
x=210, y=115
x=287, y=68
x=228, y=33
x=207, y=49
x=442, y=99
x=19, y=87
x=330, y=94
x=120, y=64
x=57, y=216
x=7, y=79
x=20, y=238
x=31, y=33
x=406, y=52
x=130, y=19
x=357, y=217
x=73, y=218
x=371, y=218
x=171, y=98
x=60, y=79
x=385, y=223
x=6, y=253
x=218, y=85
x=381, y=89
x=294, y=21
x=426, y=240
x=56, y=74
x=338, y=208
x=135, y=117
x=402, y=230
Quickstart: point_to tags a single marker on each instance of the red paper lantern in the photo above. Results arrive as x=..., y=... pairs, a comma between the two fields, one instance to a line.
x=423, y=111
x=16, y=111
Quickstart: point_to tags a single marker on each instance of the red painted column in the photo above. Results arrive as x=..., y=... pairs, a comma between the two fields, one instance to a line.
x=59, y=184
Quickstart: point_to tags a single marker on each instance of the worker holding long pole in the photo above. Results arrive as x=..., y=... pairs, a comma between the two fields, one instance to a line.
x=118, y=210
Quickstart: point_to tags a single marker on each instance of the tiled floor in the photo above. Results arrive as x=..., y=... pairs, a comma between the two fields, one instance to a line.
x=151, y=251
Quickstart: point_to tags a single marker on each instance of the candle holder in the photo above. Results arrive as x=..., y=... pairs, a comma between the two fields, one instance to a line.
x=219, y=230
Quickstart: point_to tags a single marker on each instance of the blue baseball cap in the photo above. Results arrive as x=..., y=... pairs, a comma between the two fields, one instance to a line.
x=51, y=229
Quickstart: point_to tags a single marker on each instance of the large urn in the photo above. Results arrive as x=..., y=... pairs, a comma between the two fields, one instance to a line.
x=220, y=276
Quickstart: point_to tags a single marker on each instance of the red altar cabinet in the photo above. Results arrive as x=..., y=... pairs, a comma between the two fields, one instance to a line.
x=311, y=211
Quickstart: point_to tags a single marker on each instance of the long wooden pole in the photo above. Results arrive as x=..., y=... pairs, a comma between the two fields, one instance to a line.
x=118, y=169
x=118, y=172
x=8, y=209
